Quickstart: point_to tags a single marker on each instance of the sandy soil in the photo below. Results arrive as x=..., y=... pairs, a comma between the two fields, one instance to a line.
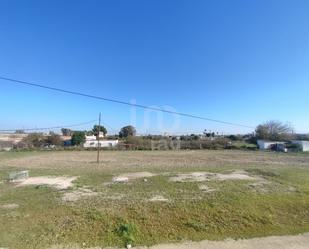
x=132, y=176
x=59, y=183
x=272, y=242
x=158, y=198
x=207, y=176
x=78, y=194
x=9, y=206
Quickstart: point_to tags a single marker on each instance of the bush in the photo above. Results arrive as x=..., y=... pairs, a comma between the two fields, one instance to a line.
x=294, y=147
x=127, y=232
x=78, y=138
x=127, y=131
x=54, y=139
x=138, y=143
x=33, y=140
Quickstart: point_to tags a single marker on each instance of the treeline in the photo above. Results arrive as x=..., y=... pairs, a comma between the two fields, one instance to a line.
x=132, y=142
x=271, y=130
x=190, y=142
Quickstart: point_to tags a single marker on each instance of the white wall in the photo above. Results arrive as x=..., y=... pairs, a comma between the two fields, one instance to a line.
x=103, y=143
x=304, y=144
x=264, y=145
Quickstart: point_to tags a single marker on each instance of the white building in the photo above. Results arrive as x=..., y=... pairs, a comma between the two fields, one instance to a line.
x=266, y=145
x=304, y=144
x=92, y=142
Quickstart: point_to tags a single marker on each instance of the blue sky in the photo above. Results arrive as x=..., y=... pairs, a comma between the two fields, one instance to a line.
x=239, y=61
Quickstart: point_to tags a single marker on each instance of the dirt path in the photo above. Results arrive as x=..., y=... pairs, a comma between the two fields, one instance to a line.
x=273, y=242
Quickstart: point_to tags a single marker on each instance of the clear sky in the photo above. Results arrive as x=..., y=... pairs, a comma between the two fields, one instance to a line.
x=234, y=60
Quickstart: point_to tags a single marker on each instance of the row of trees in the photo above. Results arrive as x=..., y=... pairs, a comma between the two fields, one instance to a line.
x=38, y=140
x=125, y=131
x=270, y=130
x=78, y=137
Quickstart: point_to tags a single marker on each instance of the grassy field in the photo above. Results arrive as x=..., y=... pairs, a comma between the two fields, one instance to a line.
x=269, y=195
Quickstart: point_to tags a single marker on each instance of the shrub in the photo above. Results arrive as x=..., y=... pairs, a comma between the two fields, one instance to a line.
x=127, y=131
x=139, y=143
x=32, y=140
x=127, y=232
x=78, y=138
x=54, y=139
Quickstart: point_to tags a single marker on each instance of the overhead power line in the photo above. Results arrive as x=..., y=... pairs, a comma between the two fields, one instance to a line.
x=122, y=102
x=50, y=128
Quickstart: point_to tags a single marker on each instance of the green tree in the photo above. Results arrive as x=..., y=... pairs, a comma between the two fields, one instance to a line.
x=274, y=131
x=78, y=138
x=101, y=128
x=127, y=131
x=66, y=132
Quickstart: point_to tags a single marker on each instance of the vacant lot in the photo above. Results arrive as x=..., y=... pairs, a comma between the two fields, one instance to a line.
x=151, y=197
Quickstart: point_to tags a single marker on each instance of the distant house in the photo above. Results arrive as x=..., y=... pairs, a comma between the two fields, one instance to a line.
x=67, y=140
x=271, y=145
x=281, y=146
x=304, y=145
x=92, y=142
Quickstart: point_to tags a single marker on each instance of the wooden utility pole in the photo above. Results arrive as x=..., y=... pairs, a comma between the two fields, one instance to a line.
x=98, y=155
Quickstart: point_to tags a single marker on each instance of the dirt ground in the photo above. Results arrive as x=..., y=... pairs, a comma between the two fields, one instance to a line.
x=59, y=183
x=71, y=202
x=123, y=160
x=273, y=242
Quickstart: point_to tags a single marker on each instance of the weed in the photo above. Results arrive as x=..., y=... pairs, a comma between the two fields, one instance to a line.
x=127, y=232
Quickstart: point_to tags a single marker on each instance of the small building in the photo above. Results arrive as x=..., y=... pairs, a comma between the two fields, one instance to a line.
x=264, y=144
x=271, y=145
x=92, y=142
x=304, y=145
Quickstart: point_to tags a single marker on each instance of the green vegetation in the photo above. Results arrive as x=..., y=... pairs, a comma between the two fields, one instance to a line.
x=100, y=128
x=122, y=213
x=127, y=232
x=274, y=131
x=127, y=131
x=78, y=138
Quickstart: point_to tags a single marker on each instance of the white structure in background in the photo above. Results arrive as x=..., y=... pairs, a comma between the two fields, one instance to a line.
x=92, y=142
x=304, y=144
x=272, y=145
x=266, y=145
